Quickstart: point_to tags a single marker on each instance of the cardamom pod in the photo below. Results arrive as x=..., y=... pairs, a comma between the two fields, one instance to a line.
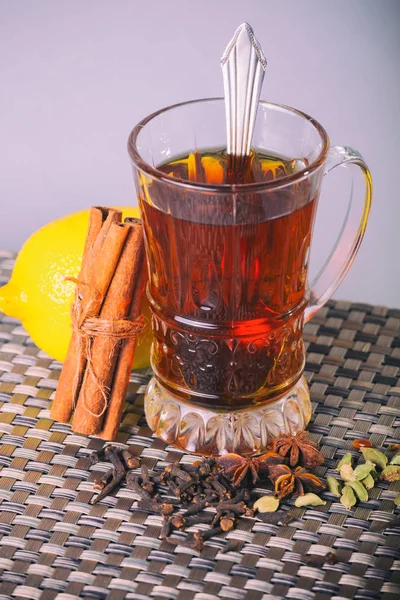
x=348, y=498
x=346, y=460
x=374, y=474
x=396, y=459
x=266, y=504
x=397, y=500
x=359, y=489
x=368, y=482
x=333, y=485
x=375, y=456
x=391, y=473
x=309, y=500
x=363, y=470
x=347, y=473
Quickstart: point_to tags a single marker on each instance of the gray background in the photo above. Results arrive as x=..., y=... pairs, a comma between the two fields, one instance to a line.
x=76, y=75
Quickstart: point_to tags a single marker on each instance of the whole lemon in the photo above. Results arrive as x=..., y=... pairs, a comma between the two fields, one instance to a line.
x=38, y=294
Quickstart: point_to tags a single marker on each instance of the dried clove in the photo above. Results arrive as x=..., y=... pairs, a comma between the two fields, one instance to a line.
x=227, y=522
x=218, y=487
x=113, y=456
x=154, y=506
x=115, y=481
x=331, y=558
x=196, y=507
x=166, y=528
x=199, y=519
x=223, y=484
x=209, y=533
x=319, y=561
x=178, y=521
x=132, y=483
x=96, y=456
x=176, y=471
x=146, y=484
x=238, y=509
x=100, y=483
x=272, y=518
x=130, y=461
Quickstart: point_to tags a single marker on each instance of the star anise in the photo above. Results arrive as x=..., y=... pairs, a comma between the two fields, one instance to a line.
x=298, y=481
x=237, y=468
x=299, y=449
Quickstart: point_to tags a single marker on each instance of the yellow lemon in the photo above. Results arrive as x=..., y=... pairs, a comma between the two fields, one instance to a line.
x=38, y=294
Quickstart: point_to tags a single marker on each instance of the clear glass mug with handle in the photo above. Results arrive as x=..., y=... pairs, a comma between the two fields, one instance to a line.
x=228, y=266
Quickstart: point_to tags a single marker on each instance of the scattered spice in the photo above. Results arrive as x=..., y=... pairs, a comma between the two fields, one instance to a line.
x=362, y=444
x=346, y=460
x=223, y=484
x=309, y=500
x=375, y=456
x=394, y=447
x=318, y=561
x=391, y=473
x=99, y=484
x=347, y=473
x=266, y=504
x=368, y=482
x=396, y=459
x=363, y=470
x=333, y=485
x=361, y=479
x=298, y=481
x=348, y=498
x=359, y=489
x=274, y=518
x=237, y=468
x=227, y=522
x=299, y=449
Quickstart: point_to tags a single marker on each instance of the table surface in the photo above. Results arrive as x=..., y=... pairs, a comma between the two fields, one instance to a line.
x=55, y=544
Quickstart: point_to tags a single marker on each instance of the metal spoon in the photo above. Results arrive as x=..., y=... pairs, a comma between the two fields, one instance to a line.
x=243, y=67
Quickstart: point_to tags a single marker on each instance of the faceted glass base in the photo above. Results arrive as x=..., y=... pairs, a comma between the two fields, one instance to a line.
x=204, y=431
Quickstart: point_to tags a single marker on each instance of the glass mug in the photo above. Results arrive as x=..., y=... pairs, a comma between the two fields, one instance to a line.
x=227, y=267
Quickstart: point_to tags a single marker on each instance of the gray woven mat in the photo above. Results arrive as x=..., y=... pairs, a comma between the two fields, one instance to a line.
x=54, y=544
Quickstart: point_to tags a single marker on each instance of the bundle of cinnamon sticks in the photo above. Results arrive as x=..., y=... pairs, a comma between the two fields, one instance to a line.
x=106, y=320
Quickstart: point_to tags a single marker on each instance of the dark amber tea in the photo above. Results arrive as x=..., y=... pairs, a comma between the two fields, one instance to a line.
x=227, y=278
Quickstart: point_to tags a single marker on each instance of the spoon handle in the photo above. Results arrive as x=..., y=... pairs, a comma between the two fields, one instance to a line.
x=243, y=67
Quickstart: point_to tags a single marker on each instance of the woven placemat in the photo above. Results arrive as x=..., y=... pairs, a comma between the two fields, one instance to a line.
x=55, y=544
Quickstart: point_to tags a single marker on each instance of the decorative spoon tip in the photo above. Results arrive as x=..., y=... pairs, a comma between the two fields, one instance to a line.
x=245, y=30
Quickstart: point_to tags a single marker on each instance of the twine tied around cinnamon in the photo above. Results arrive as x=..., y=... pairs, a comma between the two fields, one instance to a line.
x=87, y=325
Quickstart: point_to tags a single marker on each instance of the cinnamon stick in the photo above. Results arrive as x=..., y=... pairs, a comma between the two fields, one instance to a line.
x=94, y=393
x=113, y=415
x=100, y=221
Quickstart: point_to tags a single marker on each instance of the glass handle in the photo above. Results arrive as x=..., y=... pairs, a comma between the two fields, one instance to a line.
x=352, y=232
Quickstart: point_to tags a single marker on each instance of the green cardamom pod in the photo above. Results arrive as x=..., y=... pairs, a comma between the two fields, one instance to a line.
x=368, y=482
x=396, y=459
x=347, y=473
x=359, y=489
x=333, y=485
x=397, y=500
x=374, y=473
x=348, y=498
x=363, y=470
x=375, y=456
x=391, y=473
x=309, y=500
x=266, y=504
x=346, y=460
